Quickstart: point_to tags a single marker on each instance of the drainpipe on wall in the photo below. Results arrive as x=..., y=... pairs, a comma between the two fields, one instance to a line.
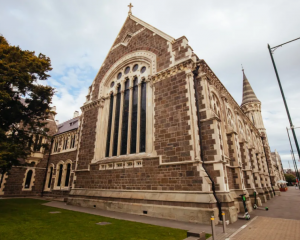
x=52, y=139
x=195, y=72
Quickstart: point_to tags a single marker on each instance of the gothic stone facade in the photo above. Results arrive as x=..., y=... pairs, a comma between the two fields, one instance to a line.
x=159, y=134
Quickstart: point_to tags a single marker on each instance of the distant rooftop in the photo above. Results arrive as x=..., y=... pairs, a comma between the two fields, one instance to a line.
x=67, y=126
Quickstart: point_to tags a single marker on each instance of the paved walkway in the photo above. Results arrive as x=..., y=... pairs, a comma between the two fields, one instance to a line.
x=281, y=222
x=284, y=206
x=269, y=228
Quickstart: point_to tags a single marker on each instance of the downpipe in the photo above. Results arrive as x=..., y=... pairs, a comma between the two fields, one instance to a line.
x=219, y=205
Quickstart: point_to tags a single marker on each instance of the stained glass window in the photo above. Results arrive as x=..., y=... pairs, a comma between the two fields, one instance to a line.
x=125, y=119
x=143, y=118
x=134, y=116
x=117, y=118
x=111, y=105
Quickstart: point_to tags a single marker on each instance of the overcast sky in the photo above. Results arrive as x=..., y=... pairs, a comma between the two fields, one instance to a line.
x=77, y=36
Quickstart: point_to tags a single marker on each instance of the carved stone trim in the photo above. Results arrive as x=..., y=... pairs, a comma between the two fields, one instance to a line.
x=183, y=66
x=96, y=103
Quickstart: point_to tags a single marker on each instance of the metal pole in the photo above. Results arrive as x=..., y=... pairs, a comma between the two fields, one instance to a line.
x=295, y=167
x=224, y=222
x=285, y=104
x=293, y=156
x=213, y=227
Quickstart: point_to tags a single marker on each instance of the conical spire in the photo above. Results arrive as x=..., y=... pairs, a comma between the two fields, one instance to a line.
x=248, y=93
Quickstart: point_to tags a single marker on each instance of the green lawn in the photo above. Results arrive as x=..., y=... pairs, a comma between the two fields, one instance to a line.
x=28, y=219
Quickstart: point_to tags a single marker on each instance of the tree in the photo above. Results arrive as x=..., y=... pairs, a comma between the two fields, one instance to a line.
x=290, y=178
x=24, y=103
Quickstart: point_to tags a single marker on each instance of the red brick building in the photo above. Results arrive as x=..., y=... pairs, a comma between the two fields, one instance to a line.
x=159, y=135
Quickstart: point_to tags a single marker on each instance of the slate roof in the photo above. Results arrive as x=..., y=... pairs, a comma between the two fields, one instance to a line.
x=67, y=126
x=248, y=93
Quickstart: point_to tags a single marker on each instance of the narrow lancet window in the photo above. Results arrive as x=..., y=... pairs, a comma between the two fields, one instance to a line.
x=125, y=119
x=68, y=175
x=134, y=116
x=59, y=175
x=117, y=118
x=28, y=179
x=111, y=104
x=50, y=177
x=143, y=118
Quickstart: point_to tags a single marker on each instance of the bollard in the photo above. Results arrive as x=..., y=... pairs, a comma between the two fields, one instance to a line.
x=213, y=227
x=224, y=222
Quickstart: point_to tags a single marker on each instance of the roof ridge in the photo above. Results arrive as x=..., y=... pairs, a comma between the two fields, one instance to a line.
x=153, y=29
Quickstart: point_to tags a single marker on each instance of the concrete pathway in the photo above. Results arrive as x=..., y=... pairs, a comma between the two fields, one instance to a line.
x=269, y=228
x=281, y=222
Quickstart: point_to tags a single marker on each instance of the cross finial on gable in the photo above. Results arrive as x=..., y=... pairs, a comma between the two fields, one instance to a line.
x=130, y=6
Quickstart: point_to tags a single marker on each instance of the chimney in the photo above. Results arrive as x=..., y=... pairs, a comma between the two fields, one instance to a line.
x=76, y=114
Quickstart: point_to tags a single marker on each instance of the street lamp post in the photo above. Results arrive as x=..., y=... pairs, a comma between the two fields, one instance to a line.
x=282, y=93
x=293, y=158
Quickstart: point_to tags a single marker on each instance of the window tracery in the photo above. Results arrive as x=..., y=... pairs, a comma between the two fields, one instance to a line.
x=126, y=124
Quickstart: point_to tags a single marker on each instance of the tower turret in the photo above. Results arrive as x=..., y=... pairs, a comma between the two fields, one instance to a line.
x=251, y=106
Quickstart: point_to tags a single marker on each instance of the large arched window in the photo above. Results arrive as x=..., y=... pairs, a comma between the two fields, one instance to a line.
x=127, y=122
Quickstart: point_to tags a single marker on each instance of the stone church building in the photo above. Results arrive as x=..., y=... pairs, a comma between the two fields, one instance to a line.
x=158, y=135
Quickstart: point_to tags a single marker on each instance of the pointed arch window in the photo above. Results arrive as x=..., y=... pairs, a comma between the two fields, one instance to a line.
x=28, y=179
x=50, y=177
x=125, y=119
x=68, y=175
x=111, y=105
x=143, y=118
x=134, y=116
x=117, y=119
x=59, y=175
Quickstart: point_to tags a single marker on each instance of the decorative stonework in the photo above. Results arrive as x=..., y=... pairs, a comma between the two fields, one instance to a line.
x=96, y=103
x=136, y=56
x=183, y=66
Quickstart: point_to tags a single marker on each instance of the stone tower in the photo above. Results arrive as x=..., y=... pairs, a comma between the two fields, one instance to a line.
x=251, y=106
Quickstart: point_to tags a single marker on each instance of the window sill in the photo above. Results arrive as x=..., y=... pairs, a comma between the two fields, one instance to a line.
x=65, y=151
x=61, y=189
x=122, y=158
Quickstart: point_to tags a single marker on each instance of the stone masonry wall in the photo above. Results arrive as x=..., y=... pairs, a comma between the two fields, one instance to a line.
x=172, y=137
x=151, y=176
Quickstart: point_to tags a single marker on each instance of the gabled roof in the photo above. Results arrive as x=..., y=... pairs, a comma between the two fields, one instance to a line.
x=144, y=24
x=248, y=93
x=153, y=29
x=67, y=126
